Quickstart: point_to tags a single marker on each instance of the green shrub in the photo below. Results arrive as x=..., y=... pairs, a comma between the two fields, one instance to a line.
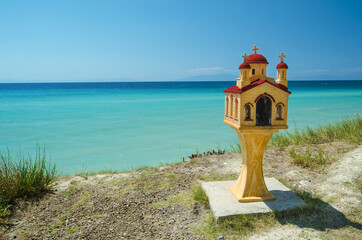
x=25, y=178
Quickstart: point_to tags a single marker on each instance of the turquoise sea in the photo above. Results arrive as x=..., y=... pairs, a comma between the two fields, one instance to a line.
x=120, y=126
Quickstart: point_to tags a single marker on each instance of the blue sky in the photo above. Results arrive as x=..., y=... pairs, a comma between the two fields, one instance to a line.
x=52, y=41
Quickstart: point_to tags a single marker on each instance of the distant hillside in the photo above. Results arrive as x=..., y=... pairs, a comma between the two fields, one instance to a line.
x=218, y=77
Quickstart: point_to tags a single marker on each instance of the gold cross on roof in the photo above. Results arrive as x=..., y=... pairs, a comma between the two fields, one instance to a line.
x=245, y=56
x=282, y=56
x=255, y=48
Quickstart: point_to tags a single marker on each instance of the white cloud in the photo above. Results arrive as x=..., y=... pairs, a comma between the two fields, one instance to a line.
x=316, y=71
x=356, y=69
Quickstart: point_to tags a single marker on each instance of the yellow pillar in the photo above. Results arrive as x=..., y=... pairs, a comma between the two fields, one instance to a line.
x=250, y=186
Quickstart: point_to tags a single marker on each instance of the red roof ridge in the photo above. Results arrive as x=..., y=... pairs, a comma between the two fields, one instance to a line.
x=255, y=83
x=233, y=89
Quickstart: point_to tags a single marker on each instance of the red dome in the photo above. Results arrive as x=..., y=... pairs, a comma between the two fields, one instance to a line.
x=244, y=65
x=256, y=58
x=282, y=65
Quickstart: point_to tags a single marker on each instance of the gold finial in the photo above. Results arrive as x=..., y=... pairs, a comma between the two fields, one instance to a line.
x=245, y=56
x=255, y=48
x=282, y=56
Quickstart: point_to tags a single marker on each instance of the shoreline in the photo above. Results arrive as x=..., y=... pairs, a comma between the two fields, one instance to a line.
x=168, y=202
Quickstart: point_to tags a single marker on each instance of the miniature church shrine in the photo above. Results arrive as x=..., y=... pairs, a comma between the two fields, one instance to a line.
x=258, y=100
x=256, y=108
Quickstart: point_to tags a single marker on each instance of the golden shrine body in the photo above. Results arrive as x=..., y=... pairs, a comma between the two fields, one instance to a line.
x=256, y=108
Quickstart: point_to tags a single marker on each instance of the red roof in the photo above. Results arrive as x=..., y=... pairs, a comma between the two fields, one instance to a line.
x=236, y=89
x=282, y=65
x=233, y=89
x=244, y=65
x=256, y=58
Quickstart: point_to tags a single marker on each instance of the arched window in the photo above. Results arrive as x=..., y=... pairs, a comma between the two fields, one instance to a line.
x=279, y=111
x=236, y=108
x=227, y=106
x=231, y=106
x=283, y=75
x=253, y=72
x=262, y=71
x=247, y=112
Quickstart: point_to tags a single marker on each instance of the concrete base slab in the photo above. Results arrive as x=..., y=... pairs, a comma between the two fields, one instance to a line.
x=223, y=203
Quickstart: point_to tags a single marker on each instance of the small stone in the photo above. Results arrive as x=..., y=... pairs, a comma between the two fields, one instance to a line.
x=196, y=205
x=220, y=237
x=292, y=174
x=303, y=183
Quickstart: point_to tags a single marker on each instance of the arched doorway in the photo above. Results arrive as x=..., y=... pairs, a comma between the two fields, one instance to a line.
x=263, y=111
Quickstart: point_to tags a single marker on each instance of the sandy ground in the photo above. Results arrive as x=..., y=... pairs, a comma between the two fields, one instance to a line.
x=157, y=203
x=335, y=187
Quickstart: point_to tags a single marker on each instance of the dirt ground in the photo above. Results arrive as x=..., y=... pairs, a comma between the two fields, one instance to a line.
x=157, y=203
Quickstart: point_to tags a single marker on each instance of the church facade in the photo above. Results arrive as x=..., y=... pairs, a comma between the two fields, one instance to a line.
x=257, y=100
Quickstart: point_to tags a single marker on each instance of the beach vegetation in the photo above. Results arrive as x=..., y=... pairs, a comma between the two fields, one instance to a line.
x=143, y=168
x=357, y=183
x=25, y=234
x=128, y=188
x=158, y=184
x=183, y=197
x=215, y=176
x=235, y=147
x=26, y=176
x=73, y=187
x=316, y=161
x=84, y=173
x=349, y=129
x=160, y=204
x=60, y=222
x=200, y=196
x=195, y=161
x=96, y=216
x=73, y=229
x=234, y=227
x=82, y=201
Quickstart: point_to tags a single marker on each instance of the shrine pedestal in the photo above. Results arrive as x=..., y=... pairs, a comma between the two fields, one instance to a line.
x=250, y=185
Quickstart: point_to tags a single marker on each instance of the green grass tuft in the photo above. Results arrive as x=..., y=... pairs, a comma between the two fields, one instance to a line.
x=306, y=159
x=25, y=178
x=200, y=196
x=235, y=148
x=357, y=182
x=73, y=229
x=195, y=161
x=350, y=129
